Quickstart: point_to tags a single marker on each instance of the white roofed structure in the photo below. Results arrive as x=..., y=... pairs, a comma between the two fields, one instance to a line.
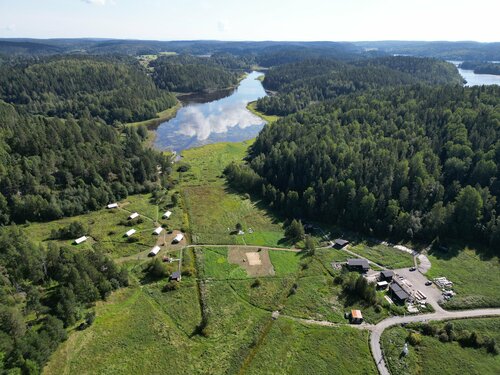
x=133, y=215
x=130, y=232
x=112, y=205
x=80, y=240
x=158, y=230
x=155, y=250
x=178, y=238
x=167, y=214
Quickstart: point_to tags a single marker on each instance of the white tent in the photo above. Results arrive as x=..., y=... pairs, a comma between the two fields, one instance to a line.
x=80, y=240
x=113, y=205
x=130, y=232
x=167, y=214
x=178, y=238
x=133, y=216
x=155, y=250
x=157, y=230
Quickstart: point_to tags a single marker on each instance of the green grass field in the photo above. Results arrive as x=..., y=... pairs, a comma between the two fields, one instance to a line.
x=476, y=278
x=214, y=209
x=384, y=255
x=433, y=357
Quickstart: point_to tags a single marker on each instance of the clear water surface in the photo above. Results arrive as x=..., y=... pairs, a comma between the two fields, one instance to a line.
x=221, y=120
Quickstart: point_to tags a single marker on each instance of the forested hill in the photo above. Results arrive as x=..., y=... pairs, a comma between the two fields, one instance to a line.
x=409, y=162
x=194, y=74
x=481, y=67
x=301, y=83
x=51, y=167
x=108, y=88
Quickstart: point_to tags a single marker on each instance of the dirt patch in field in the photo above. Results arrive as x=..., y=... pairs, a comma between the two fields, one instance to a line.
x=255, y=261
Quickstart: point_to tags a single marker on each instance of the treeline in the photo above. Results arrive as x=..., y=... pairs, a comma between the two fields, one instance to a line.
x=110, y=88
x=305, y=82
x=481, y=67
x=407, y=162
x=187, y=73
x=43, y=291
x=51, y=167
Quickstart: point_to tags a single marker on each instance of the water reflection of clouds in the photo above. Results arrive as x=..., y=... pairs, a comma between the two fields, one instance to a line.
x=197, y=124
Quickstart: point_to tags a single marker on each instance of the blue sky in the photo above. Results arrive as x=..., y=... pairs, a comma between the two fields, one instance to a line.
x=346, y=20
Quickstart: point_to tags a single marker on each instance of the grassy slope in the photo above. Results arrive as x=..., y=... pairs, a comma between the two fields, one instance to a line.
x=476, y=279
x=432, y=357
x=384, y=255
x=213, y=207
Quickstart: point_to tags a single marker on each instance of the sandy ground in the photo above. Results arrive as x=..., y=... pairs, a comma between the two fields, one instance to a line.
x=256, y=263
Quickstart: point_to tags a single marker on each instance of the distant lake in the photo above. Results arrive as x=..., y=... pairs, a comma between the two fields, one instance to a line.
x=474, y=79
x=208, y=118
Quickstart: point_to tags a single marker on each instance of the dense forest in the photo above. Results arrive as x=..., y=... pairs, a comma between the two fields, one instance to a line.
x=481, y=67
x=51, y=167
x=42, y=291
x=112, y=89
x=302, y=83
x=408, y=162
x=194, y=74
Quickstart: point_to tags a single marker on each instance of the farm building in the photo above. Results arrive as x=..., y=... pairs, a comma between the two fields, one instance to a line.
x=133, y=216
x=78, y=241
x=167, y=214
x=340, y=243
x=178, y=238
x=158, y=230
x=358, y=265
x=356, y=317
x=112, y=205
x=176, y=276
x=130, y=232
x=397, y=293
x=386, y=275
x=155, y=250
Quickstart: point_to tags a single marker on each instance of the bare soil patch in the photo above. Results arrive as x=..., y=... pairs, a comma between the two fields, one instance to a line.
x=255, y=262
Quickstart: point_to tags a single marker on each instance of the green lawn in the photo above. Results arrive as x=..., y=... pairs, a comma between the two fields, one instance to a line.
x=433, y=357
x=386, y=256
x=476, y=279
x=216, y=265
x=285, y=262
x=252, y=107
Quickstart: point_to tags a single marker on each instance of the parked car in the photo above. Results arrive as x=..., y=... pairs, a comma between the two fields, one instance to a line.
x=413, y=269
x=428, y=283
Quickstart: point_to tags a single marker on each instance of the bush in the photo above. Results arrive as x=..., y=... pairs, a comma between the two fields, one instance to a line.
x=170, y=286
x=414, y=339
x=188, y=271
x=443, y=337
x=156, y=269
x=378, y=309
x=256, y=283
x=428, y=329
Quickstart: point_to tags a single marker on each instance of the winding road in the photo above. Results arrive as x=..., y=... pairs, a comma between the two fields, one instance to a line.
x=379, y=328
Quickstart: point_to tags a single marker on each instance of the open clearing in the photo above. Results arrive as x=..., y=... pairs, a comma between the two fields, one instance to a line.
x=433, y=357
x=475, y=277
x=256, y=263
x=386, y=256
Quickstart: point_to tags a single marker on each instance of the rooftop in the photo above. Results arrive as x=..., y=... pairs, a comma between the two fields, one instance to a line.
x=356, y=314
x=358, y=263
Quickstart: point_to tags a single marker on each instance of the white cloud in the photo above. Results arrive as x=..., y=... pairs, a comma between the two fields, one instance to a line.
x=98, y=2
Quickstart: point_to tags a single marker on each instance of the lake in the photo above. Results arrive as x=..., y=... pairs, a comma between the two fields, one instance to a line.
x=209, y=118
x=474, y=79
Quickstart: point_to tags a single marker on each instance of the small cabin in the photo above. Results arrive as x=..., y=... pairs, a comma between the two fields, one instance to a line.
x=356, y=317
x=112, y=205
x=133, y=216
x=78, y=241
x=167, y=214
x=178, y=238
x=386, y=275
x=158, y=230
x=358, y=265
x=155, y=250
x=130, y=232
x=340, y=243
x=176, y=276
x=382, y=284
x=398, y=294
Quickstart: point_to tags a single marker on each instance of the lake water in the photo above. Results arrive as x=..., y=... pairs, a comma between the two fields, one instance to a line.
x=474, y=79
x=224, y=119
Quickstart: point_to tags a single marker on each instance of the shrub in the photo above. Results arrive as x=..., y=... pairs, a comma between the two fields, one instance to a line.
x=443, y=337
x=256, y=283
x=170, y=286
x=414, y=339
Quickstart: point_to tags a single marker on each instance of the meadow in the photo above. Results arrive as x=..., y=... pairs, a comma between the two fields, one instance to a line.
x=475, y=276
x=434, y=357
